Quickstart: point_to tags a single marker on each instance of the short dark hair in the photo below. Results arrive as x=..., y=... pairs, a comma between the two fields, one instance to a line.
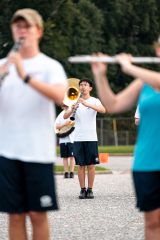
x=86, y=80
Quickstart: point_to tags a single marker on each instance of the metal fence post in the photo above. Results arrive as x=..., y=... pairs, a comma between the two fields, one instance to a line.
x=115, y=131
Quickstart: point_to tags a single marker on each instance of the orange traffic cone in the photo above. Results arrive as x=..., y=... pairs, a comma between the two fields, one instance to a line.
x=103, y=157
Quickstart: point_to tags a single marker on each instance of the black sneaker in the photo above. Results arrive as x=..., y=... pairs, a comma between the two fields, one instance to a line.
x=89, y=194
x=82, y=193
x=71, y=174
x=66, y=175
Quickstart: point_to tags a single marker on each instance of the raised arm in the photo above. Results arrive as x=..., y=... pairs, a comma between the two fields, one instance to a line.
x=68, y=113
x=147, y=76
x=114, y=103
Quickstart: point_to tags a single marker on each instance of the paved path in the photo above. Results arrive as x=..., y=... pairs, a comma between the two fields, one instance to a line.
x=110, y=216
x=119, y=163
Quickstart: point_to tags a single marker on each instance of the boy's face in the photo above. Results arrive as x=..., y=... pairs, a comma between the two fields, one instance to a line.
x=85, y=87
x=30, y=33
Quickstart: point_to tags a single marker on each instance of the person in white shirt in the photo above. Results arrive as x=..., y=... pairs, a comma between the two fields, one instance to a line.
x=66, y=143
x=34, y=83
x=137, y=116
x=85, y=136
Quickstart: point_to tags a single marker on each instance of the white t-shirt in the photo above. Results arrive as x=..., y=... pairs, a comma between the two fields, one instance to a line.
x=137, y=113
x=85, y=122
x=60, y=120
x=26, y=116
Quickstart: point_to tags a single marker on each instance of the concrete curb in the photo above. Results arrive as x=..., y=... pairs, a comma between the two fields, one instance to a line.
x=121, y=155
x=97, y=172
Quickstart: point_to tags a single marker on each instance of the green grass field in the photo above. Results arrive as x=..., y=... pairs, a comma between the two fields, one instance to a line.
x=113, y=149
x=60, y=169
x=116, y=149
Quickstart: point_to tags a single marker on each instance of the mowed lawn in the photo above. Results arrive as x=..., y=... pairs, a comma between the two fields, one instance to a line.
x=113, y=149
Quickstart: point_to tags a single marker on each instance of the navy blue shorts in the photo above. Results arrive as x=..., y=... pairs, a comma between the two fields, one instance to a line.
x=86, y=153
x=147, y=189
x=66, y=150
x=26, y=186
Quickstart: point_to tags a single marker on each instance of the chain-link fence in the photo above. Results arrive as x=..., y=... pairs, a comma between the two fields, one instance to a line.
x=116, y=131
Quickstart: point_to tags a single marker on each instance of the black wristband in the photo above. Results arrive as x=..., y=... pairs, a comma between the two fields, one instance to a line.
x=27, y=78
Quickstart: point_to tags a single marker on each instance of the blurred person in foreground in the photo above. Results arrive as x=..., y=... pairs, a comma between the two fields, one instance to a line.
x=27, y=144
x=156, y=47
x=146, y=168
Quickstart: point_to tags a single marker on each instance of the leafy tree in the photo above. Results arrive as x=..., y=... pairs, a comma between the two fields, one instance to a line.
x=72, y=33
x=75, y=27
x=130, y=26
x=86, y=34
